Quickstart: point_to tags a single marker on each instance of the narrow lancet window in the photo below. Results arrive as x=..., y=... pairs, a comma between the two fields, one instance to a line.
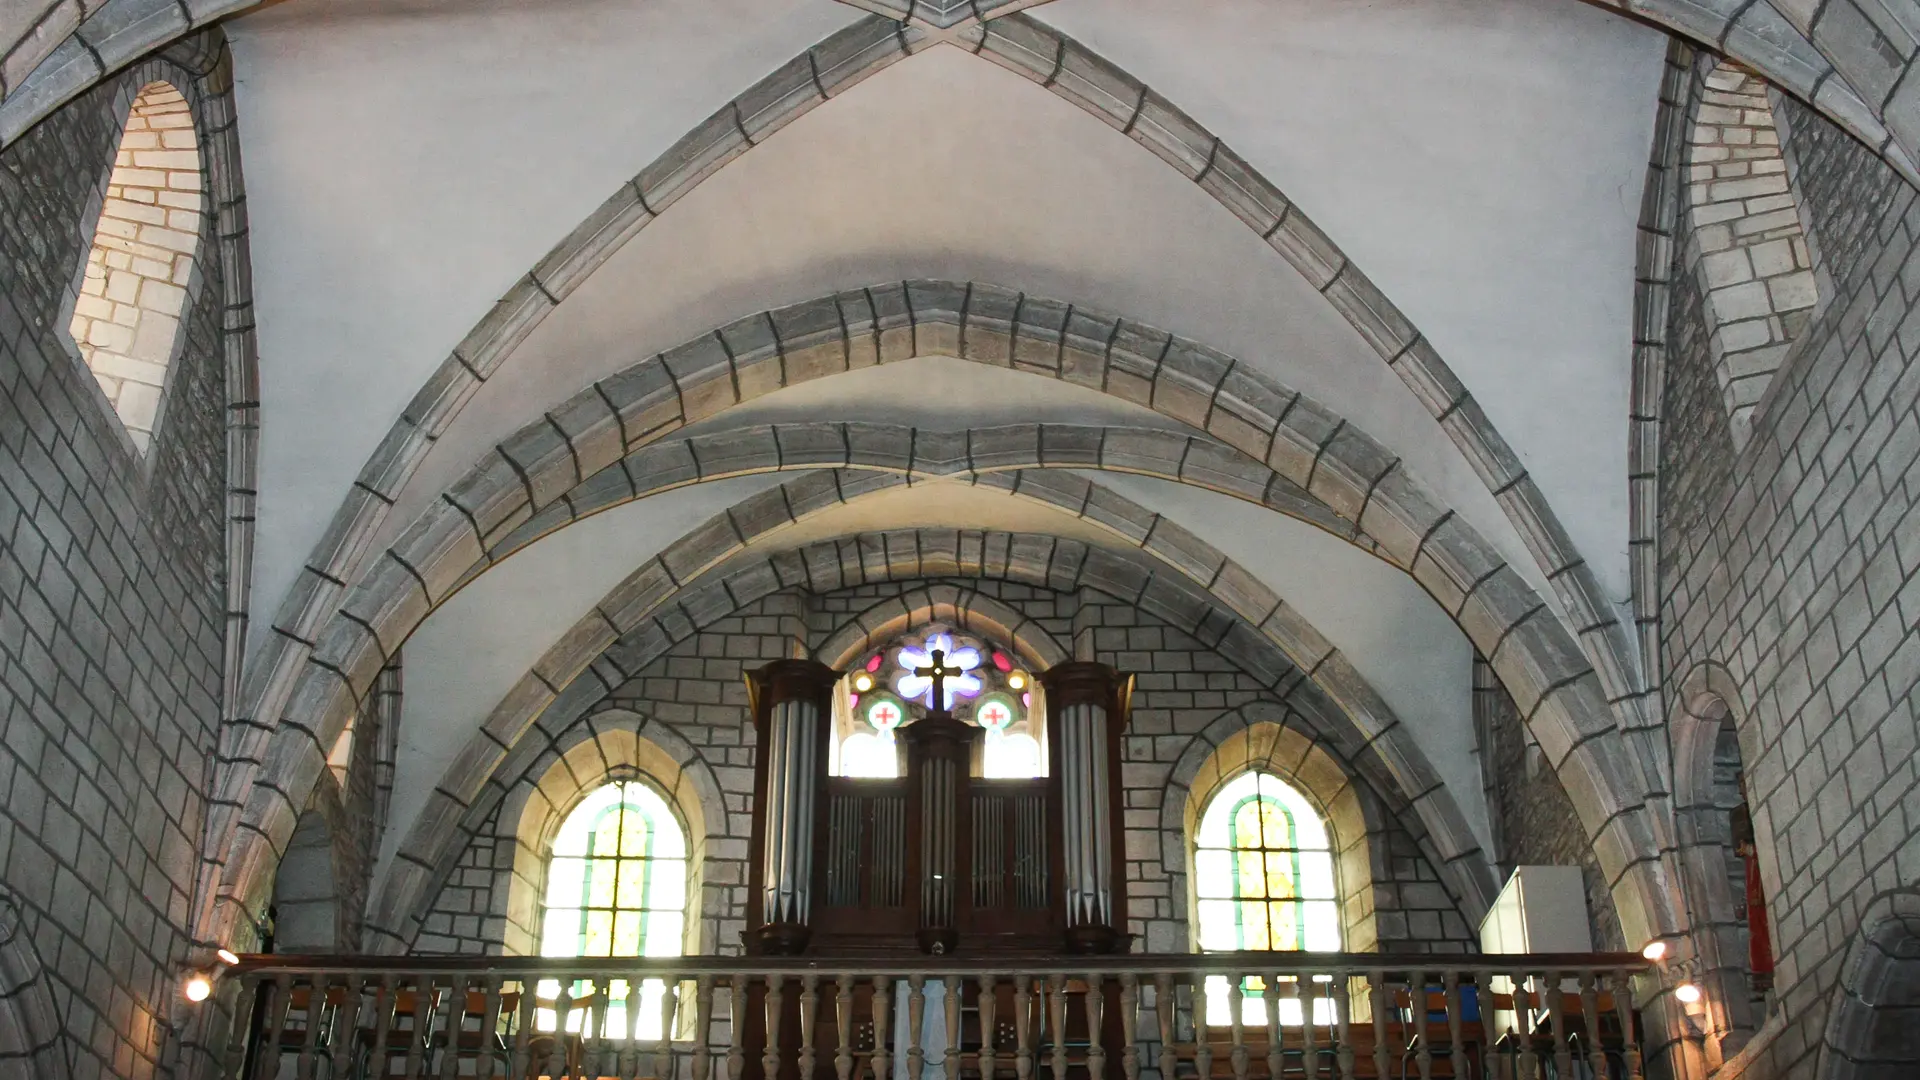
x=133, y=293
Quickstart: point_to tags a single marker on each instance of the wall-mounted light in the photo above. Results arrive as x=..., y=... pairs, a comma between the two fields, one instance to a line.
x=1655, y=951
x=197, y=987
x=1687, y=993
x=227, y=956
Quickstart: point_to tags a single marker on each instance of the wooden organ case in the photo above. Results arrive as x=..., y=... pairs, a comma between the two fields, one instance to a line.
x=939, y=860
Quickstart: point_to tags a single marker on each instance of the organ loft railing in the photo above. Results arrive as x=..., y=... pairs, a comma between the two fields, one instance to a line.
x=1237, y=1016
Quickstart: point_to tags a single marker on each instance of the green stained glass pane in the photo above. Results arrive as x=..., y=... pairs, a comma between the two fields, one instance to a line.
x=606, y=833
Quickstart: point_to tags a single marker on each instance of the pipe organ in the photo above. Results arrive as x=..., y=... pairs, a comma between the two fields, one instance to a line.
x=931, y=841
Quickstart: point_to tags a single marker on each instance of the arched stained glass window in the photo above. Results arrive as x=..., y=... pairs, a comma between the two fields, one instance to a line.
x=617, y=886
x=1263, y=880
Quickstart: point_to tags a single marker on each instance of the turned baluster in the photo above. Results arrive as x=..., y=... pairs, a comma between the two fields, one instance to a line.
x=1343, y=1024
x=702, y=1026
x=1057, y=1020
x=736, y=1026
x=277, y=1003
x=1129, y=1026
x=1202, y=1049
x=669, y=1015
x=1523, y=1022
x=809, y=1011
x=1623, y=1007
x=1378, y=990
x=557, y=1053
x=988, y=1004
x=1270, y=1001
x=1023, y=1026
x=1590, y=1022
x=487, y=1063
x=1557, y=1015
x=1457, y=1050
x=776, y=1009
x=950, y=1057
x=522, y=1033
x=882, y=1013
x=346, y=1025
x=843, y=1023
x=310, y=1039
x=1237, y=1055
x=916, y=1026
x=1417, y=1016
x=1095, y=1005
x=1163, y=1012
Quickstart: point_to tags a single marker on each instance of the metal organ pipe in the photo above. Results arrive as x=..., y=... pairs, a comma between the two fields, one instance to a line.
x=1086, y=813
x=792, y=762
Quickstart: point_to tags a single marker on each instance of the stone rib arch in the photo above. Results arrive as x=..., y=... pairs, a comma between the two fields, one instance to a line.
x=1315, y=450
x=968, y=609
x=1868, y=1031
x=32, y=1036
x=71, y=53
x=1091, y=83
x=650, y=612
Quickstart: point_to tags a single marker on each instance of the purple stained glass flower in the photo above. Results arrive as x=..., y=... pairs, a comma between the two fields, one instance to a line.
x=957, y=662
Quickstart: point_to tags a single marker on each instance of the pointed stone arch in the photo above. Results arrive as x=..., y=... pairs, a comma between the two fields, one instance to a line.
x=32, y=1038
x=970, y=610
x=652, y=610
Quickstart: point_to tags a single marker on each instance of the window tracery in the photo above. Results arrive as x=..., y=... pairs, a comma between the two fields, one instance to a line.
x=617, y=886
x=888, y=692
x=1263, y=881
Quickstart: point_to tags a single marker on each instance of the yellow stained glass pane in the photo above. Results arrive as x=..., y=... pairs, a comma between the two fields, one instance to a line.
x=626, y=933
x=606, y=834
x=1284, y=918
x=598, y=890
x=597, y=940
x=1254, y=931
x=1249, y=874
x=1247, y=827
x=1280, y=880
x=635, y=832
x=633, y=883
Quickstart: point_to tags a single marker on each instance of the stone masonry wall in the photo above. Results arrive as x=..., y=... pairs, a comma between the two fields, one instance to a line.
x=1183, y=689
x=111, y=619
x=1792, y=565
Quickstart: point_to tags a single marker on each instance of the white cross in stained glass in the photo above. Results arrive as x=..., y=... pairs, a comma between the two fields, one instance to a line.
x=938, y=672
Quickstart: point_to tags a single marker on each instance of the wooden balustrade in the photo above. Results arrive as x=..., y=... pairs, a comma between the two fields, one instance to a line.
x=1244, y=1016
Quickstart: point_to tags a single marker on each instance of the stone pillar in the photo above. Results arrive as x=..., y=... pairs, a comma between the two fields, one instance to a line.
x=792, y=713
x=1086, y=712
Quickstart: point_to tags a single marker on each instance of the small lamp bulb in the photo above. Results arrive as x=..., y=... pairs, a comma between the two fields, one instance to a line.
x=198, y=987
x=228, y=957
x=863, y=682
x=1017, y=680
x=1654, y=951
x=1687, y=993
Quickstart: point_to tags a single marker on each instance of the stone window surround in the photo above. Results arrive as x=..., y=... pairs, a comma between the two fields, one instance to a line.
x=619, y=746
x=1296, y=758
x=138, y=81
